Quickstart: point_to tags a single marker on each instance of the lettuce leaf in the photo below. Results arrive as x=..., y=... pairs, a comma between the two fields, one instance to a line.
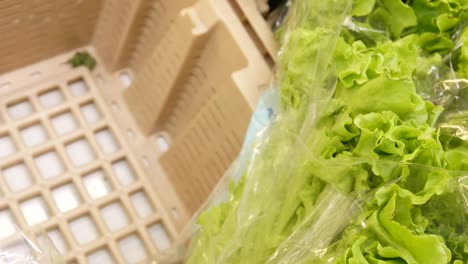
x=362, y=116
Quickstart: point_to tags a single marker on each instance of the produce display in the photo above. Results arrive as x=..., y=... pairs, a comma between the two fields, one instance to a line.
x=367, y=159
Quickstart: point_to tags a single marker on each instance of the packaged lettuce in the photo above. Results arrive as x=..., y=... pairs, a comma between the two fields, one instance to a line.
x=366, y=161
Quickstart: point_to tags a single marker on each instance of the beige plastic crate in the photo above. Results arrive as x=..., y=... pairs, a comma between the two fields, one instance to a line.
x=112, y=163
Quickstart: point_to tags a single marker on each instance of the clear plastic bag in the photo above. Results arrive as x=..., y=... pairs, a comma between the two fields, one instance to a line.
x=366, y=160
x=22, y=249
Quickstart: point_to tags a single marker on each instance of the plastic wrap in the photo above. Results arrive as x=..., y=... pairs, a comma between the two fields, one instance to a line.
x=22, y=249
x=366, y=160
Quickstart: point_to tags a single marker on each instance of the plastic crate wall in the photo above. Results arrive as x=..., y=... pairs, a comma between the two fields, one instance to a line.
x=198, y=87
x=34, y=30
x=197, y=72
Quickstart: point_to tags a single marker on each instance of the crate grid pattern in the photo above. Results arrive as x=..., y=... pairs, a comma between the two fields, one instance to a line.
x=59, y=132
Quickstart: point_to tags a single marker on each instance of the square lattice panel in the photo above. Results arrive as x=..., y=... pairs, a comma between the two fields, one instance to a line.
x=66, y=170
